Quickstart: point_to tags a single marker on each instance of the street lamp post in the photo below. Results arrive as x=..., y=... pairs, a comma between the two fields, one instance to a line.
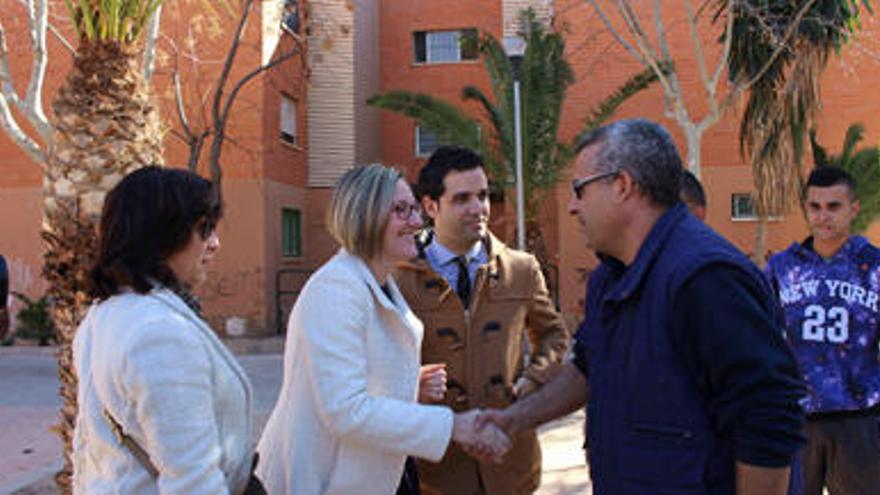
x=515, y=48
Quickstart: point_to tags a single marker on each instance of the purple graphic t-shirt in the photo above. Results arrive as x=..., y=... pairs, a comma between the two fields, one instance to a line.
x=831, y=313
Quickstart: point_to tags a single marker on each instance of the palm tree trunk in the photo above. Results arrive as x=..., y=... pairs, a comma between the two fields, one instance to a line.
x=759, y=250
x=535, y=244
x=105, y=127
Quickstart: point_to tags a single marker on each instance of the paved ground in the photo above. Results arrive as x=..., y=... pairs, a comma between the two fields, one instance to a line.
x=30, y=453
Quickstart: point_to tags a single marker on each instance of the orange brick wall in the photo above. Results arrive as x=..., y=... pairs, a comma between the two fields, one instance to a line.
x=261, y=174
x=601, y=65
x=399, y=19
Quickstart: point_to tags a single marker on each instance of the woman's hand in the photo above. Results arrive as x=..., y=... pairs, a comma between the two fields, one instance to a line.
x=488, y=443
x=432, y=383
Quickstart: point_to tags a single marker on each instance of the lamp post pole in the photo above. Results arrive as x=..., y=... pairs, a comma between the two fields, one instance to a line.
x=515, y=47
x=520, y=200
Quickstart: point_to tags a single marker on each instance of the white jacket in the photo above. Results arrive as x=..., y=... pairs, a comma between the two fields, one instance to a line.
x=163, y=374
x=347, y=415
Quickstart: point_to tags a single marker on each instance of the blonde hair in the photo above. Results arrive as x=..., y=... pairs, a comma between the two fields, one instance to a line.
x=359, y=209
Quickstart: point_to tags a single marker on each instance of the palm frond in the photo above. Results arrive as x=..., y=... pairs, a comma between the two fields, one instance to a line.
x=545, y=76
x=120, y=21
x=451, y=124
x=820, y=156
x=854, y=134
x=782, y=105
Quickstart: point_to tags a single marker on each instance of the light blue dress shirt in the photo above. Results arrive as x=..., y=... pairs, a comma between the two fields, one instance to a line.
x=442, y=260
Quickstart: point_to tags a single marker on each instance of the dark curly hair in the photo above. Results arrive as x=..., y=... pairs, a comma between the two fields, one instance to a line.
x=149, y=216
x=444, y=160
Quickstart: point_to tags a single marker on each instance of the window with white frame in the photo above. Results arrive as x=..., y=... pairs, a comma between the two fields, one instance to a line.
x=288, y=120
x=427, y=141
x=432, y=47
x=742, y=207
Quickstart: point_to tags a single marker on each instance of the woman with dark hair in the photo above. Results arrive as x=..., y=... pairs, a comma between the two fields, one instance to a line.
x=163, y=405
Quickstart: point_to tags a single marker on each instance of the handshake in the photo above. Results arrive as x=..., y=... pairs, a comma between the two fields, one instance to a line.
x=478, y=435
x=484, y=434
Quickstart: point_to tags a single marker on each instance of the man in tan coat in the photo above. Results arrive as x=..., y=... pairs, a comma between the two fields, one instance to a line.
x=478, y=299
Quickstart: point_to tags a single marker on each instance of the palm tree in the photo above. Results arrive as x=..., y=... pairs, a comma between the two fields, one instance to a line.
x=863, y=165
x=544, y=78
x=783, y=103
x=105, y=125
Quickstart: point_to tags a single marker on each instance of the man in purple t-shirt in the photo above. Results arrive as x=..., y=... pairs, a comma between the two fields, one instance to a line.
x=828, y=286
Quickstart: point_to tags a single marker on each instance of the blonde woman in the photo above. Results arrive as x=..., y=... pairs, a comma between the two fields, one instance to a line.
x=347, y=416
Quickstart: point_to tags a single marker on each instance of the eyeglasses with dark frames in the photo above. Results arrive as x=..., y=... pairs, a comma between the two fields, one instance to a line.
x=578, y=185
x=404, y=210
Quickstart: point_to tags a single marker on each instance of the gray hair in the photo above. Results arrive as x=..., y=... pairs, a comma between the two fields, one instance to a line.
x=360, y=207
x=645, y=150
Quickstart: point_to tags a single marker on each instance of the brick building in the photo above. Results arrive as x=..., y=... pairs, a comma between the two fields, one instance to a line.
x=295, y=136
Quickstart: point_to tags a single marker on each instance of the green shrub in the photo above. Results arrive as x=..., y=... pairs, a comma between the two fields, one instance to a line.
x=33, y=320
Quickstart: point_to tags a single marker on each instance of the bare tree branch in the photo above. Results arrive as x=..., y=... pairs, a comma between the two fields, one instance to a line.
x=38, y=18
x=615, y=33
x=181, y=108
x=652, y=57
x=55, y=32
x=216, y=103
x=698, y=52
x=31, y=147
x=669, y=105
x=6, y=86
x=31, y=106
x=150, y=43
x=725, y=51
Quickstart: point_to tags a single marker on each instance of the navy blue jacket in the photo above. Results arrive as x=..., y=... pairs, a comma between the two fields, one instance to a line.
x=669, y=410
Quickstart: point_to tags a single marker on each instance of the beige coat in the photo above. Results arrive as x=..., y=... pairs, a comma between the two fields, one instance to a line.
x=347, y=415
x=483, y=350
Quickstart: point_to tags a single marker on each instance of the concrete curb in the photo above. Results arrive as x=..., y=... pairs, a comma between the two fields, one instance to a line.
x=238, y=346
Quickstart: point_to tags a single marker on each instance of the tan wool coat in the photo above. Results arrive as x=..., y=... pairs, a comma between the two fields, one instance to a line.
x=483, y=349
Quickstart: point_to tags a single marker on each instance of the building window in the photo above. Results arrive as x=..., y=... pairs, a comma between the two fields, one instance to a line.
x=290, y=16
x=742, y=207
x=288, y=120
x=427, y=141
x=432, y=47
x=291, y=232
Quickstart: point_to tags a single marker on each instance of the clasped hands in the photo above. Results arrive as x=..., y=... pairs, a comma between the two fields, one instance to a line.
x=478, y=432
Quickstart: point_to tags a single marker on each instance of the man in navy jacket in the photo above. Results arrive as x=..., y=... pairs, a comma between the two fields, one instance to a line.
x=692, y=388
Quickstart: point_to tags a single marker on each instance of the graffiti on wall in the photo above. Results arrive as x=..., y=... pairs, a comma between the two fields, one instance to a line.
x=235, y=300
x=245, y=284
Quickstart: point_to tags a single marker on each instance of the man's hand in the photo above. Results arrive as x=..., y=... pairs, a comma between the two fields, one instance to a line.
x=488, y=444
x=432, y=383
x=501, y=418
x=524, y=386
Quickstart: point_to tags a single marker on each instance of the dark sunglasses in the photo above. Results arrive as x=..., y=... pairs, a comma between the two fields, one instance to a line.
x=578, y=185
x=404, y=210
x=205, y=228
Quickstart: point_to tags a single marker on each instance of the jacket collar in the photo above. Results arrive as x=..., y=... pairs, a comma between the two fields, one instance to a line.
x=370, y=280
x=652, y=246
x=494, y=251
x=851, y=249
